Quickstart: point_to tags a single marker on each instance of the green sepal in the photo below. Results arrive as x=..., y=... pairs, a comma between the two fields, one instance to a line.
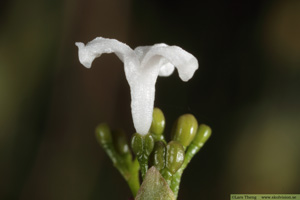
x=137, y=144
x=148, y=144
x=158, y=155
x=154, y=187
x=174, y=156
x=184, y=129
x=142, y=146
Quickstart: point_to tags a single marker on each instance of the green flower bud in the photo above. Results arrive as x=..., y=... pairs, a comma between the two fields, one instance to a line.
x=158, y=122
x=174, y=156
x=203, y=134
x=148, y=144
x=184, y=129
x=120, y=142
x=158, y=155
x=104, y=138
x=137, y=144
x=103, y=134
x=142, y=144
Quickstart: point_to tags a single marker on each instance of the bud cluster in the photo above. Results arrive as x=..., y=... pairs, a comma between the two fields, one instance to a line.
x=169, y=158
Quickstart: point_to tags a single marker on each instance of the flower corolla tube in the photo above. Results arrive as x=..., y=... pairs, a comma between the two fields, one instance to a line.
x=142, y=67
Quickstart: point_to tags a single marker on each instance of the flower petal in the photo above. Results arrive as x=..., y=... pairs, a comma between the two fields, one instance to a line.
x=93, y=49
x=165, y=67
x=185, y=62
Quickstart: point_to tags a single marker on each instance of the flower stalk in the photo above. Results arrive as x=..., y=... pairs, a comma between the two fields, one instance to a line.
x=120, y=156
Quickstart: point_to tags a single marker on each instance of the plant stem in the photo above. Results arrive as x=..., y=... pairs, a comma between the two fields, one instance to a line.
x=167, y=175
x=128, y=169
x=191, y=151
x=143, y=160
x=112, y=154
x=133, y=180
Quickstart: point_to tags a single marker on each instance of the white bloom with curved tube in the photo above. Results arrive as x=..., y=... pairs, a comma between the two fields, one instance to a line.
x=142, y=67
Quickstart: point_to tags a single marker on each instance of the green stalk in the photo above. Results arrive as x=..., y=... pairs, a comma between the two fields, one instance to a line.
x=143, y=160
x=167, y=175
x=192, y=150
x=129, y=170
x=133, y=180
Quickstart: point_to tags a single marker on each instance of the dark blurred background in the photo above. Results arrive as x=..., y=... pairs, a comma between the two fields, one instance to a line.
x=247, y=89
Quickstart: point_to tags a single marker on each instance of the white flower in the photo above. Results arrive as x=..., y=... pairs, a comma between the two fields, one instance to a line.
x=142, y=67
